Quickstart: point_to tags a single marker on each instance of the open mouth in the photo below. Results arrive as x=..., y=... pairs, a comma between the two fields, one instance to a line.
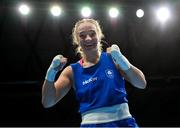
x=90, y=45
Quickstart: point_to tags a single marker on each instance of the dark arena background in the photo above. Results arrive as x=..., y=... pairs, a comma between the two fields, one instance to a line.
x=28, y=43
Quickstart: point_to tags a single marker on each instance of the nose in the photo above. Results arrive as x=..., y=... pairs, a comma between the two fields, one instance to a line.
x=88, y=37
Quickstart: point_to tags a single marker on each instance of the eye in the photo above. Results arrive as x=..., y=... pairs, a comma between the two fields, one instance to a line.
x=82, y=35
x=92, y=33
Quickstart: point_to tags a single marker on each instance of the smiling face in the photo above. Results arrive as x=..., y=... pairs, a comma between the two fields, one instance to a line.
x=87, y=36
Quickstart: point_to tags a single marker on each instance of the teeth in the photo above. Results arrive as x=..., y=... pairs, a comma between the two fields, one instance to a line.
x=89, y=45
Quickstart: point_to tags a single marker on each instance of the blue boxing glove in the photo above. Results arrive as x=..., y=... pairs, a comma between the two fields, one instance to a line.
x=119, y=58
x=57, y=64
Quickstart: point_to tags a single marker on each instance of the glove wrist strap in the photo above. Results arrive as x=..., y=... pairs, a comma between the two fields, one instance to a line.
x=50, y=75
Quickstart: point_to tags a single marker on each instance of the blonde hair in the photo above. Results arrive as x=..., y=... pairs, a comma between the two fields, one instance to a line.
x=75, y=35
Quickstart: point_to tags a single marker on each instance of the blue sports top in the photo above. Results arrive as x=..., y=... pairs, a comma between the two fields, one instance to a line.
x=100, y=85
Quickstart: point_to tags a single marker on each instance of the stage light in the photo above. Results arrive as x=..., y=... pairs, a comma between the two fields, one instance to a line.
x=113, y=12
x=163, y=14
x=24, y=9
x=139, y=13
x=86, y=11
x=56, y=10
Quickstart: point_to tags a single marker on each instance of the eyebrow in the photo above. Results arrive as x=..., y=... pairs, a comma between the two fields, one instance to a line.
x=87, y=31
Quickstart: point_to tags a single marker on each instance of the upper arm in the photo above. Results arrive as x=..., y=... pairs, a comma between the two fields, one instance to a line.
x=134, y=76
x=64, y=83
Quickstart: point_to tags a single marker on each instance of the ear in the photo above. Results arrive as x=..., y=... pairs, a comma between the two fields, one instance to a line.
x=77, y=38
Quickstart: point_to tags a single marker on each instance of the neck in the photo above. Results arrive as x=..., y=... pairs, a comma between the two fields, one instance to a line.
x=92, y=57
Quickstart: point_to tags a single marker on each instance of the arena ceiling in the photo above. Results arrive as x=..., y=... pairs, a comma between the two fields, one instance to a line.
x=28, y=44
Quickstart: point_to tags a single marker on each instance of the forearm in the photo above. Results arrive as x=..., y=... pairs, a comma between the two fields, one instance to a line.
x=130, y=72
x=48, y=94
x=49, y=91
x=135, y=77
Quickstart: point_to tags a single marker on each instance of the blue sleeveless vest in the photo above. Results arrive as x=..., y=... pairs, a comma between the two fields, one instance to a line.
x=100, y=85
